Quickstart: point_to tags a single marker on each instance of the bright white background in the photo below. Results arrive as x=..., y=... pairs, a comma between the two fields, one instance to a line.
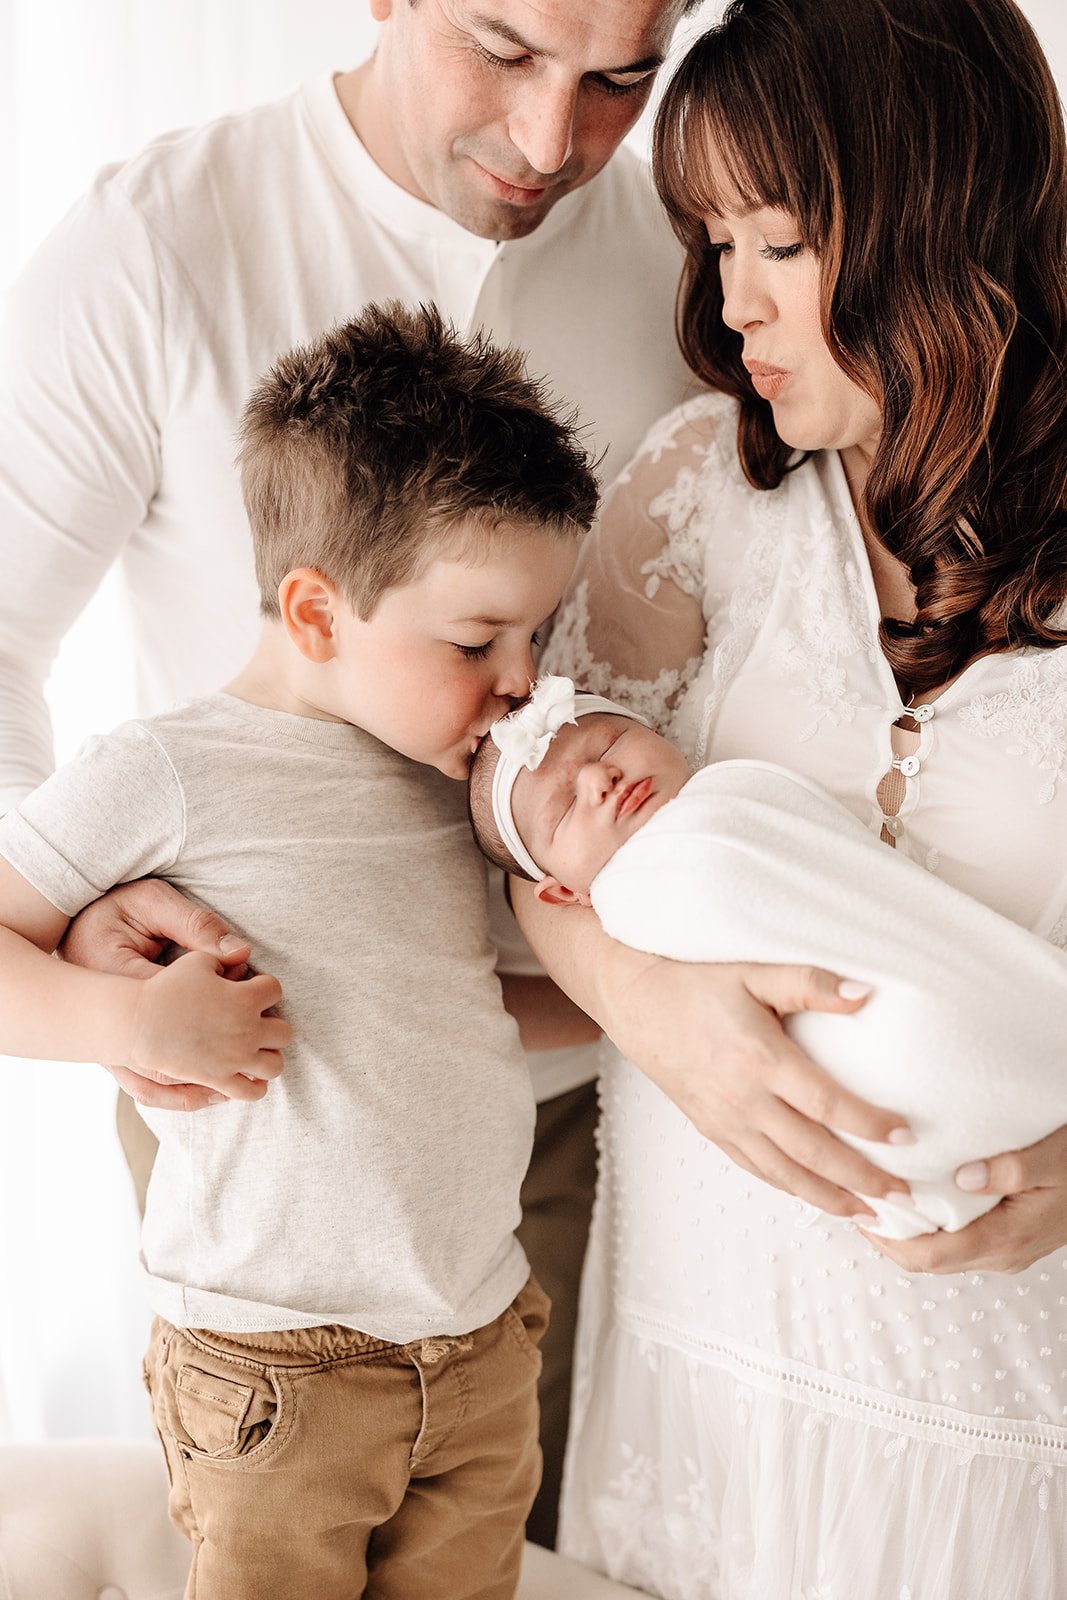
x=83, y=82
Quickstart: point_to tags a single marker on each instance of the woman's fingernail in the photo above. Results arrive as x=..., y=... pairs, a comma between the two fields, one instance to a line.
x=900, y=1136
x=215, y=1100
x=900, y=1197
x=863, y=1222
x=973, y=1177
x=229, y=944
x=852, y=989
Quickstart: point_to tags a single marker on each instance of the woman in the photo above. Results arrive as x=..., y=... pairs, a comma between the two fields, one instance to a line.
x=849, y=558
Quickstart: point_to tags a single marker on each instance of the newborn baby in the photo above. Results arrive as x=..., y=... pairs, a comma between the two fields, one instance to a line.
x=745, y=861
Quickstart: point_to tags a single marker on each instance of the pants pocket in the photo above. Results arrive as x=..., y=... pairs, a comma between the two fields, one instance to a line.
x=223, y=1417
x=211, y=1405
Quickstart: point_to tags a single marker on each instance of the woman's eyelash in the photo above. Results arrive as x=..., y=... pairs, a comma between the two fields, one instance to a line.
x=770, y=252
x=475, y=652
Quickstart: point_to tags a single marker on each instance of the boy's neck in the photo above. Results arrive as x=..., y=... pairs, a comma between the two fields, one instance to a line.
x=278, y=678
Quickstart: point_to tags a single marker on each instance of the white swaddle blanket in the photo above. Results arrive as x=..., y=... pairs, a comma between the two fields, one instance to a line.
x=965, y=1034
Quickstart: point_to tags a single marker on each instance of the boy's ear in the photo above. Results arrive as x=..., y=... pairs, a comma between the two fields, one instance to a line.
x=308, y=603
x=554, y=893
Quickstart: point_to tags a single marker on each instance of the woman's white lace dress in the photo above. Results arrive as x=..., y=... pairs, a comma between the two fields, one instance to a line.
x=766, y=1408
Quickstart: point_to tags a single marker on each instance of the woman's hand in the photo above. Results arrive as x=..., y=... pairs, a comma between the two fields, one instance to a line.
x=1030, y=1222
x=125, y=932
x=711, y=1038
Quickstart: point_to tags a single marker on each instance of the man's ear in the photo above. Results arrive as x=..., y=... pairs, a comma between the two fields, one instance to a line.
x=308, y=603
x=554, y=893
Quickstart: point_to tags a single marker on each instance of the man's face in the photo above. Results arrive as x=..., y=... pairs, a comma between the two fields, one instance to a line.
x=492, y=110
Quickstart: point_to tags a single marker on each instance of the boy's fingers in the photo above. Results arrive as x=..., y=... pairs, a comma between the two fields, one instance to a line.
x=277, y=1034
x=263, y=990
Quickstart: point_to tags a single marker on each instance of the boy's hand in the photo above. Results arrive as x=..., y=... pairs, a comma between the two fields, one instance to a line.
x=126, y=932
x=189, y=1024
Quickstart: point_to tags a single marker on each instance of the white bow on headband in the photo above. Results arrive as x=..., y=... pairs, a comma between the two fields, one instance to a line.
x=525, y=735
x=523, y=738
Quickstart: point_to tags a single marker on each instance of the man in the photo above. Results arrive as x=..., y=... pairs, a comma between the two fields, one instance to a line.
x=465, y=163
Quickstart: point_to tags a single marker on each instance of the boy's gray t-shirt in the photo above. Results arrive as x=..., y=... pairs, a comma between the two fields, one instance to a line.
x=377, y=1183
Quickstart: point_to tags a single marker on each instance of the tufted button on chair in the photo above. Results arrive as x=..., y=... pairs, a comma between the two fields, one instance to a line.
x=86, y=1519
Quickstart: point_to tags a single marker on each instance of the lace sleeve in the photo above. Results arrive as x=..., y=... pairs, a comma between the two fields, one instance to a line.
x=632, y=625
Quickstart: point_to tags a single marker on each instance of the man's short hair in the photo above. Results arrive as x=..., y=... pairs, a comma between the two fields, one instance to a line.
x=362, y=453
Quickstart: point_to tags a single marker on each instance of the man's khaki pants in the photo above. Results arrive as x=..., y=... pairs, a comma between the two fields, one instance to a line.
x=323, y=1464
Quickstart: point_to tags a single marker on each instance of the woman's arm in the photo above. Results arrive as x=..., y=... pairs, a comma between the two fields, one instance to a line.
x=711, y=1038
x=125, y=933
x=633, y=627
x=185, y=1021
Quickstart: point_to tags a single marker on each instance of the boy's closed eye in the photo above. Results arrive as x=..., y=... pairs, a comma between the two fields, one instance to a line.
x=478, y=652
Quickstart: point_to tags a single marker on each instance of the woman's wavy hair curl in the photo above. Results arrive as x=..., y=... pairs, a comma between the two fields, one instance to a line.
x=920, y=146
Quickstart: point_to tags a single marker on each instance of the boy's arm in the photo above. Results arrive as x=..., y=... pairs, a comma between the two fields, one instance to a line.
x=185, y=1021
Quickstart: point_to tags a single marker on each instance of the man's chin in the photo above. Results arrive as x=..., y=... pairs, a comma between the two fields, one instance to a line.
x=497, y=219
x=471, y=202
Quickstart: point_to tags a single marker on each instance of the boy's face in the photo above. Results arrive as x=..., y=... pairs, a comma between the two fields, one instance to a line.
x=602, y=779
x=445, y=655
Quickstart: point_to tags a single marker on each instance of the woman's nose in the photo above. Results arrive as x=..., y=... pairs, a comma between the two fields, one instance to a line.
x=745, y=300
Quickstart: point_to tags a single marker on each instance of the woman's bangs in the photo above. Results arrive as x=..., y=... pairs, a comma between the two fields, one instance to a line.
x=723, y=144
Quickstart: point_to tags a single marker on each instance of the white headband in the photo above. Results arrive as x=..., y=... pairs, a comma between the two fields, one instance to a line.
x=523, y=738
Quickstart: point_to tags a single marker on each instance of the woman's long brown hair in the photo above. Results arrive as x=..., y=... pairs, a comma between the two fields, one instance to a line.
x=920, y=146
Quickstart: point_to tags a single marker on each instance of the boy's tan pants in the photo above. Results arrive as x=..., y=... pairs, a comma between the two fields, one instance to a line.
x=323, y=1464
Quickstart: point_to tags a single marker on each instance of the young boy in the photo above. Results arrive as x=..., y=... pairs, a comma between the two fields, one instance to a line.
x=749, y=862
x=343, y=1366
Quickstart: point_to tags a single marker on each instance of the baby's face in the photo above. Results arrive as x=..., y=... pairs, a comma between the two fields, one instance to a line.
x=602, y=779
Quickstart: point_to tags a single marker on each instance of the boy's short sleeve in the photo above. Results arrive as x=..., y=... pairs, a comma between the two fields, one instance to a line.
x=112, y=814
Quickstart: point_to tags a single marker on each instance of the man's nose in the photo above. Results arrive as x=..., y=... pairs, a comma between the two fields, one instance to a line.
x=541, y=125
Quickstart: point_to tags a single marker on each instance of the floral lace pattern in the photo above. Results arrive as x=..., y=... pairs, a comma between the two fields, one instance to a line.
x=1031, y=713
x=568, y=652
x=830, y=624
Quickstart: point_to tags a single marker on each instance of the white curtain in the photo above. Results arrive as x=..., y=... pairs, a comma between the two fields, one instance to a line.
x=83, y=82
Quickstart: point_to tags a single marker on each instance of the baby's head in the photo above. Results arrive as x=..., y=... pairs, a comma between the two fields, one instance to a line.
x=416, y=506
x=559, y=784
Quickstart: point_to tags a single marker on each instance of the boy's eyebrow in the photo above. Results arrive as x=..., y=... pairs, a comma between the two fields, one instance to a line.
x=503, y=30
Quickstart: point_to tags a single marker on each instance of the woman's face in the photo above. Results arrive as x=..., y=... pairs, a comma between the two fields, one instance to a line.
x=770, y=285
